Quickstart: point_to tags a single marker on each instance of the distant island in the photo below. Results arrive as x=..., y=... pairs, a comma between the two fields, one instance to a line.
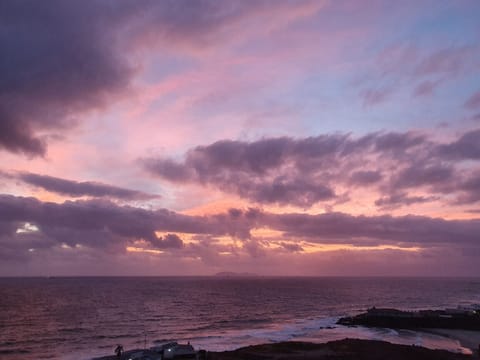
x=235, y=274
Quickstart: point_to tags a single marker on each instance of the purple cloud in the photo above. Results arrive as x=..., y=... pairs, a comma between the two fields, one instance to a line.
x=250, y=169
x=362, y=177
x=104, y=225
x=27, y=223
x=469, y=189
x=397, y=143
x=81, y=188
x=374, y=230
x=169, y=241
x=66, y=58
x=400, y=199
x=464, y=148
x=420, y=174
x=303, y=172
x=61, y=60
x=283, y=170
x=291, y=247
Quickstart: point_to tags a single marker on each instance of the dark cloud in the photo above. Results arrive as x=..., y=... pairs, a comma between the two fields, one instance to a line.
x=62, y=58
x=284, y=170
x=466, y=147
x=401, y=199
x=103, y=224
x=362, y=177
x=420, y=174
x=81, y=188
x=169, y=241
x=284, y=190
x=303, y=172
x=469, y=189
x=397, y=143
x=291, y=247
x=247, y=169
x=374, y=230
x=27, y=223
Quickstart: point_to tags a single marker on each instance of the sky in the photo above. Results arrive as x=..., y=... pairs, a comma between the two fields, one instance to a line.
x=190, y=137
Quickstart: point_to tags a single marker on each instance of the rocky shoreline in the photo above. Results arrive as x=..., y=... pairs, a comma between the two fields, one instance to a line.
x=432, y=319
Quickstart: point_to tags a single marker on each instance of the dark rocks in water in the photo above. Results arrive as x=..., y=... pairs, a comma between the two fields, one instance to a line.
x=397, y=319
x=347, y=349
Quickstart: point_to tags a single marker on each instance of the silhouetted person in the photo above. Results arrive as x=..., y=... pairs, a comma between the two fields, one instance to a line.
x=119, y=350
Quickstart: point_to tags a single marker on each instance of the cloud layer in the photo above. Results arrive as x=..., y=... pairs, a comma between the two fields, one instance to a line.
x=302, y=172
x=29, y=227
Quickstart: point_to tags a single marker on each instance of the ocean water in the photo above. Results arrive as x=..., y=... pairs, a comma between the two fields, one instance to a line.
x=80, y=318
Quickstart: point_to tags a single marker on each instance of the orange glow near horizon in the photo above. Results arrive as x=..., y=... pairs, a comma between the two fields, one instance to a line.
x=143, y=250
x=313, y=248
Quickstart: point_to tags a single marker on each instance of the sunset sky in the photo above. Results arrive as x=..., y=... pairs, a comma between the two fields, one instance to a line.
x=282, y=137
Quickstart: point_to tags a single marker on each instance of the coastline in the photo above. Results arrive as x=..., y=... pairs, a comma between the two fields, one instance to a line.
x=359, y=338
x=345, y=349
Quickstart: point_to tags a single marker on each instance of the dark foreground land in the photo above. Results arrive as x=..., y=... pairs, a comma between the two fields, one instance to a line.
x=347, y=349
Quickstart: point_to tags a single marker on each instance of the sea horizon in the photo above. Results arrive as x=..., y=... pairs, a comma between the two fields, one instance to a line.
x=89, y=315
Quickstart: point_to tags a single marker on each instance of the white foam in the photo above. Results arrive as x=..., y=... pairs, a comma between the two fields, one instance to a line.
x=322, y=330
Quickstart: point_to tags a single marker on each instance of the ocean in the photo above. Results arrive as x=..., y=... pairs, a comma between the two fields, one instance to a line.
x=85, y=317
